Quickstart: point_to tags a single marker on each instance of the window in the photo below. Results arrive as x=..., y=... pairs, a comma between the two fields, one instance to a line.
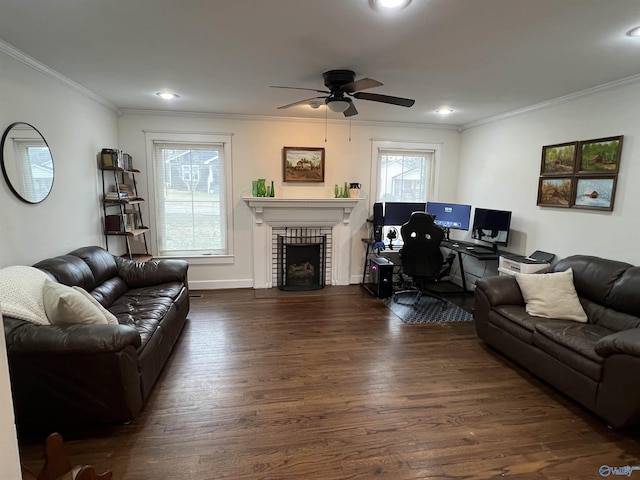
x=405, y=172
x=191, y=188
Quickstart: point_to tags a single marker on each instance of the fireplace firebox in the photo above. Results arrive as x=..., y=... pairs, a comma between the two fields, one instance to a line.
x=301, y=262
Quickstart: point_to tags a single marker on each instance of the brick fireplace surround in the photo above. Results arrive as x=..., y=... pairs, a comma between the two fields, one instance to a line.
x=311, y=213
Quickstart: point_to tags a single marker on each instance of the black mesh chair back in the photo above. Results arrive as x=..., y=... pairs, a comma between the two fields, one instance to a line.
x=422, y=259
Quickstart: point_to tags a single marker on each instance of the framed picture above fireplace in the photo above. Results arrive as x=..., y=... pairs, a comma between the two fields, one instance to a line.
x=303, y=164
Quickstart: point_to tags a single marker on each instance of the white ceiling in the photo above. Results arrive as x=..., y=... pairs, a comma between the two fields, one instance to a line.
x=481, y=57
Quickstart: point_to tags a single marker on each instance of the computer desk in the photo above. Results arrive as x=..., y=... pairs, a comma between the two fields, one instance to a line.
x=473, y=250
x=462, y=248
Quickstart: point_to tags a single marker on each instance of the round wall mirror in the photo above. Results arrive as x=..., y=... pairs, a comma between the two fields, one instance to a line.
x=27, y=164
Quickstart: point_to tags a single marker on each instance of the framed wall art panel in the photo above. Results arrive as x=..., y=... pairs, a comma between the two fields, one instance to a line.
x=303, y=164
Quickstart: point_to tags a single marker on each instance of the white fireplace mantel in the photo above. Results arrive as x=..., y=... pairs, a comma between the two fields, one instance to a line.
x=271, y=212
x=300, y=211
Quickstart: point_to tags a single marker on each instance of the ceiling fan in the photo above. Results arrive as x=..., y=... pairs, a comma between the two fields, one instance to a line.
x=342, y=85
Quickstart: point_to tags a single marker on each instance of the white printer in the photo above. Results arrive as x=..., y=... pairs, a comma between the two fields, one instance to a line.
x=537, y=262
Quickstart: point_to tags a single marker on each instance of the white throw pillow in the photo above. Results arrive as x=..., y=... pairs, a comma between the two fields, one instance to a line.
x=111, y=318
x=21, y=290
x=551, y=295
x=65, y=305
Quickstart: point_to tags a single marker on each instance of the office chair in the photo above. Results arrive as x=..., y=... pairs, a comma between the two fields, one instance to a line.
x=422, y=259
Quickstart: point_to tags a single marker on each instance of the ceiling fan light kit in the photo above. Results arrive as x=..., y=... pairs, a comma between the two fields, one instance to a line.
x=388, y=4
x=338, y=105
x=341, y=88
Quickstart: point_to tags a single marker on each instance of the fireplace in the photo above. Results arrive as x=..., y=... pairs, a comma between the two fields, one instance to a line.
x=301, y=261
x=272, y=215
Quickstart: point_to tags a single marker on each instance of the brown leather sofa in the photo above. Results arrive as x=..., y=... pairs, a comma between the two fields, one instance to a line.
x=594, y=363
x=64, y=376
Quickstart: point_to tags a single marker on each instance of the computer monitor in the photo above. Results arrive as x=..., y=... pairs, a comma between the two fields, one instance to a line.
x=450, y=215
x=491, y=226
x=398, y=213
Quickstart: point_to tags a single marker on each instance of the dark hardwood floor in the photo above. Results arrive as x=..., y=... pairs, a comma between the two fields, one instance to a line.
x=332, y=385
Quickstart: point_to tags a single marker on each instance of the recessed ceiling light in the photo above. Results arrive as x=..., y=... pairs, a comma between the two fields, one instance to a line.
x=389, y=4
x=167, y=95
x=634, y=32
x=444, y=111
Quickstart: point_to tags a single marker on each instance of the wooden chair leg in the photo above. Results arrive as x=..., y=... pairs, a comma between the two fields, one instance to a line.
x=56, y=461
x=57, y=465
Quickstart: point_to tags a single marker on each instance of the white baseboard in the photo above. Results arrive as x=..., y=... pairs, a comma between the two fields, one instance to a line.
x=219, y=284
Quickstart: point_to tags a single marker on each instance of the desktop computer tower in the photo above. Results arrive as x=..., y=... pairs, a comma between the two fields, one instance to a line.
x=381, y=277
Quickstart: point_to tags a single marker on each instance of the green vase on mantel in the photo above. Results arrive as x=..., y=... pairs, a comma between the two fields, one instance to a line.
x=262, y=187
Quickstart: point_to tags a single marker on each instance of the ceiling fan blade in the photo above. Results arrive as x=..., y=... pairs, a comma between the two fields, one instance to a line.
x=361, y=84
x=301, y=88
x=375, y=97
x=351, y=111
x=301, y=102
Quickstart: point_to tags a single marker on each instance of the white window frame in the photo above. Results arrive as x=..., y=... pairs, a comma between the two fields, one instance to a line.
x=377, y=145
x=152, y=137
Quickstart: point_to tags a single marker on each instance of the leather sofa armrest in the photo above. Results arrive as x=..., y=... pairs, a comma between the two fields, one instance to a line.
x=625, y=341
x=153, y=272
x=501, y=290
x=26, y=338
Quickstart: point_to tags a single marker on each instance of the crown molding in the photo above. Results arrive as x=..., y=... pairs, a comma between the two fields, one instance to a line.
x=605, y=87
x=275, y=118
x=51, y=73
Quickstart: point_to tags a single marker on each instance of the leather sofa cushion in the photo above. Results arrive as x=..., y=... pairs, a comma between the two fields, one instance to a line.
x=624, y=297
x=110, y=291
x=101, y=262
x=581, y=339
x=593, y=277
x=609, y=318
x=572, y=344
x=68, y=270
x=145, y=308
x=569, y=358
x=516, y=321
x=151, y=273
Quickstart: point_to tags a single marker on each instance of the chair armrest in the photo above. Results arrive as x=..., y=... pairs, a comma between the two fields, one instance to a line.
x=625, y=341
x=26, y=338
x=153, y=272
x=501, y=290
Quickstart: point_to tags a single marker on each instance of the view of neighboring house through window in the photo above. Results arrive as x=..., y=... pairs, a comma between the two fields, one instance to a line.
x=190, y=181
x=405, y=175
x=27, y=162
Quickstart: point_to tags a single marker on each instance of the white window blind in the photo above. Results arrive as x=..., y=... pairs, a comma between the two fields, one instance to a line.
x=190, y=198
x=405, y=175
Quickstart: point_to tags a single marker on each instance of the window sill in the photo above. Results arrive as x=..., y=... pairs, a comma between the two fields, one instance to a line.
x=204, y=259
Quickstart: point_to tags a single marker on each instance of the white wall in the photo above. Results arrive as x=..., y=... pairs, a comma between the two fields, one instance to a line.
x=257, y=153
x=76, y=128
x=500, y=167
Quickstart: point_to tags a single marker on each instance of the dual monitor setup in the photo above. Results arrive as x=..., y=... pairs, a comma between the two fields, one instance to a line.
x=491, y=227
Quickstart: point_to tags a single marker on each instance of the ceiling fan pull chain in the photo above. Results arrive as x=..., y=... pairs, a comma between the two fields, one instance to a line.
x=349, y=128
x=325, y=125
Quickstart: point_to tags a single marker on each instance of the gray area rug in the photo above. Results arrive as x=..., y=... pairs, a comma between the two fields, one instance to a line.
x=428, y=310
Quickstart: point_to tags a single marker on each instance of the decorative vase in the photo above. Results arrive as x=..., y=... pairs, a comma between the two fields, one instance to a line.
x=262, y=187
x=254, y=188
x=336, y=191
x=272, y=192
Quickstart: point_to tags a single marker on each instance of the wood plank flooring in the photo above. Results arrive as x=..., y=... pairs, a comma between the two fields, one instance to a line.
x=332, y=385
